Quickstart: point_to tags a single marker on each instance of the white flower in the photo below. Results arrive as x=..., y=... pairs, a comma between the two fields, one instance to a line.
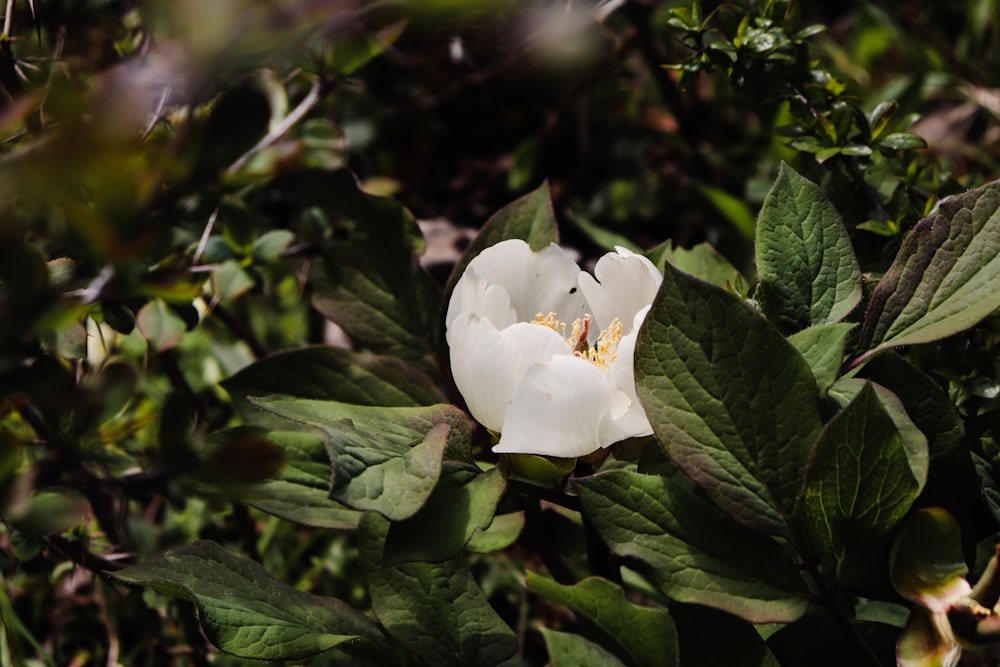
x=542, y=351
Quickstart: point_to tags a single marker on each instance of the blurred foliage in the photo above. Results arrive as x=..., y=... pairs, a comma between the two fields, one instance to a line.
x=154, y=237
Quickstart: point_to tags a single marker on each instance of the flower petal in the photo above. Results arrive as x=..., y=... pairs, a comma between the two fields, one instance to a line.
x=633, y=423
x=488, y=364
x=625, y=283
x=535, y=282
x=558, y=410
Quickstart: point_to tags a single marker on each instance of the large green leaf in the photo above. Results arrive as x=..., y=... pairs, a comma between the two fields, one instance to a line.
x=436, y=610
x=822, y=346
x=370, y=282
x=399, y=425
x=863, y=477
x=690, y=549
x=333, y=374
x=463, y=503
x=300, y=492
x=808, y=272
x=247, y=612
x=733, y=403
x=944, y=279
x=569, y=650
x=642, y=636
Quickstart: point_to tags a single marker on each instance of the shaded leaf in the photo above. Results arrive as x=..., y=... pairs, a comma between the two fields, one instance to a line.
x=247, y=612
x=691, y=550
x=463, y=503
x=944, y=278
x=822, y=346
x=301, y=490
x=569, y=650
x=703, y=261
x=159, y=325
x=370, y=281
x=332, y=374
x=700, y=629
x=500, y=534
x=435, y=610
x=642, y=636
x=808, y=272
x=732, y=402
x=863, y=477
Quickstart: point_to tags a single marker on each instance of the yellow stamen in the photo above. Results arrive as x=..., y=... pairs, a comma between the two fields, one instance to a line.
x=602, y=354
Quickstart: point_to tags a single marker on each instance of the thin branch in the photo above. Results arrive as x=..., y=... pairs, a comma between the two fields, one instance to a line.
x=289, y=121
x=203, y=242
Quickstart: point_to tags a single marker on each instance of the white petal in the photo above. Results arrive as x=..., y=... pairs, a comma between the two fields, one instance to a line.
x=536, y=282
x=557, y=410
x=488, y=364
x=625, y=283
x=633, y=422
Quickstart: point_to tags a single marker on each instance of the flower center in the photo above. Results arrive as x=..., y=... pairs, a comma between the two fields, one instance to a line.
x=602, y=353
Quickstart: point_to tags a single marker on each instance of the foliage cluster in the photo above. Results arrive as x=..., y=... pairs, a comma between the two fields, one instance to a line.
x=223, y=373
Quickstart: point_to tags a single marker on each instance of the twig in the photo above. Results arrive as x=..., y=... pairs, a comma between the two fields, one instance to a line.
x=203, y=242
x=307, y=103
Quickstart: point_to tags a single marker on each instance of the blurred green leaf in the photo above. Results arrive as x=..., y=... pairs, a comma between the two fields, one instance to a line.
x=733, y=209
x=269, y=246
x=247, y=612
x=230, y=280
x=901, y=141
x=159, y=325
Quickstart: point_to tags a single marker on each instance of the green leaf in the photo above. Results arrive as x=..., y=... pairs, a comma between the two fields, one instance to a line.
x=700, y=629
x=530, y=218
x=902, y=141
x=863, y=477
x=247, y=612
x=822, y=346
x=270, y=245
x=348, y=54
x=500, y=534
x=435, y=610
x=332, y=374
x=462, y=503
x=808, y=272
x=731, y=401
x=395, y=485
x=159, y=325
x=400, y=426
x=705, y=262
x=733, y=209
x=690, y=549
x=230, y=280
x=301, y=490
x=944, y=279
x=569, y=650
x=370, y=281
x=642, y=636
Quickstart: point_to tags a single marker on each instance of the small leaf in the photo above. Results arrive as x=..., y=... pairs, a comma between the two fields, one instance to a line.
x=500, y=534
x=808, y=272
x=902, y=141
x=864, y=475
x=822, y=346
x=159, y=325
x=569, y=650
x=435, y=610
x=230, y=280
x=730, y=400
x=944, y=278
x=690, y=549
x=247, y=612
x=642, y=636
x=269, y=247
x=705, y=262
x=733, y=209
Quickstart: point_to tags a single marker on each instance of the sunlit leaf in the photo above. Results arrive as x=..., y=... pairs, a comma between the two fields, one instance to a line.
x=808, y=272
